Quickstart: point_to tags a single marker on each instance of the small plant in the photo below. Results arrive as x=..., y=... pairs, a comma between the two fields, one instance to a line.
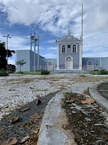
x=27, y=124
x=2, y=132
x=45, y=72
x=83, y=76
x=99, y=72
x=103, y=72
x=67, y=96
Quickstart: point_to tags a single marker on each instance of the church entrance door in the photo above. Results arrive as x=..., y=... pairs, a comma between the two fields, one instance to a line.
x=69, y=63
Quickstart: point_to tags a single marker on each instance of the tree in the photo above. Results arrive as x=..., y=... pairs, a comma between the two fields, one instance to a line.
x=4, y=53
x=11, y=68
x=20, y=63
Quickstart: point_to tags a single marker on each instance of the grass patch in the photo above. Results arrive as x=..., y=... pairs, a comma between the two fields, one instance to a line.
x=45, y=72
x=99, y=72
x=40, y=72
x=29, y=73
x=83, y=76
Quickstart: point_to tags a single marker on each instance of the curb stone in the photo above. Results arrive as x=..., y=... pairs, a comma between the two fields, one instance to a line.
x=51, y=131
x=97, y=96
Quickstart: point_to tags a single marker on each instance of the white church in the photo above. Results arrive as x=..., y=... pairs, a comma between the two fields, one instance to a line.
x=69, y=57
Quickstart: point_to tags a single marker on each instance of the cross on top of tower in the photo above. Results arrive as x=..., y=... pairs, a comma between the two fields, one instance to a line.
x=69, y=32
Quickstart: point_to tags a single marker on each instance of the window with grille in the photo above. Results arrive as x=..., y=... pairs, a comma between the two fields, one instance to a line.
x=74, y=49
x=63, y=49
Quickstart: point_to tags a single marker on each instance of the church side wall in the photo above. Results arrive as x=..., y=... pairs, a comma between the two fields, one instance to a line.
x=97, y=63
x=23, y=55
x=104, y=63
x=42, y=62
x=32, y=60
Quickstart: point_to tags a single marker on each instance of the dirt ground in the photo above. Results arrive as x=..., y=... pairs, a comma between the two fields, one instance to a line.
x=28, y=124
x=21, y=124
x=87, y=121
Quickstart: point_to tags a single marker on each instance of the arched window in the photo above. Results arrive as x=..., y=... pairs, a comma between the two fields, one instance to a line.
x=50, y=66
x=49, y=63
x=74, y=49
x=89, y=62
x=63, y=49
x=90, y=65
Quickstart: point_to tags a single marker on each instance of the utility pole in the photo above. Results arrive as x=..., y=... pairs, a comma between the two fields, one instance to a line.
x=81, y=40
x=34, y=39
x=31, y=41
x=38, y=66
x=7, y=37
x=34, y=53
x=82, y=25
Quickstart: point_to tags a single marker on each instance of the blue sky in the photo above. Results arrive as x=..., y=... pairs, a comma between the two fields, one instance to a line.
x=52, y=19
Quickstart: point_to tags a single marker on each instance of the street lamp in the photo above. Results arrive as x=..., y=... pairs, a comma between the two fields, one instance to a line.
x=7, y=37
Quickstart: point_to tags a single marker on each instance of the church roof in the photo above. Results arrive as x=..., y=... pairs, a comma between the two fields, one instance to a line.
x=68, y=38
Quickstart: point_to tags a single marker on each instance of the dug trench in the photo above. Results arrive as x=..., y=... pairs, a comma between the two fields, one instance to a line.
x=22, y=125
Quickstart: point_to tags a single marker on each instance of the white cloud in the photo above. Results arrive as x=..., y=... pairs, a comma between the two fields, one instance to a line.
x=96, y=44
x=51, y=41
x=56, y=16
x=16, y=42
x=52, y=48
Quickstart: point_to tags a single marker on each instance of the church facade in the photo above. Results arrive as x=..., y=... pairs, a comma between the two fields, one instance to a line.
x=69, y=53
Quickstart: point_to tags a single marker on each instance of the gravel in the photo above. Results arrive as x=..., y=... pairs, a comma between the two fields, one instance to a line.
x=17, y=91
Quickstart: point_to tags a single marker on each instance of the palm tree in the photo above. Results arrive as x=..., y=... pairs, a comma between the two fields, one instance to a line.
x=20, y=63
x=4, y=53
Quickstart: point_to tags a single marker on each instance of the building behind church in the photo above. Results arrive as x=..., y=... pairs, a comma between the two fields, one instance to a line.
x=31, y=61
